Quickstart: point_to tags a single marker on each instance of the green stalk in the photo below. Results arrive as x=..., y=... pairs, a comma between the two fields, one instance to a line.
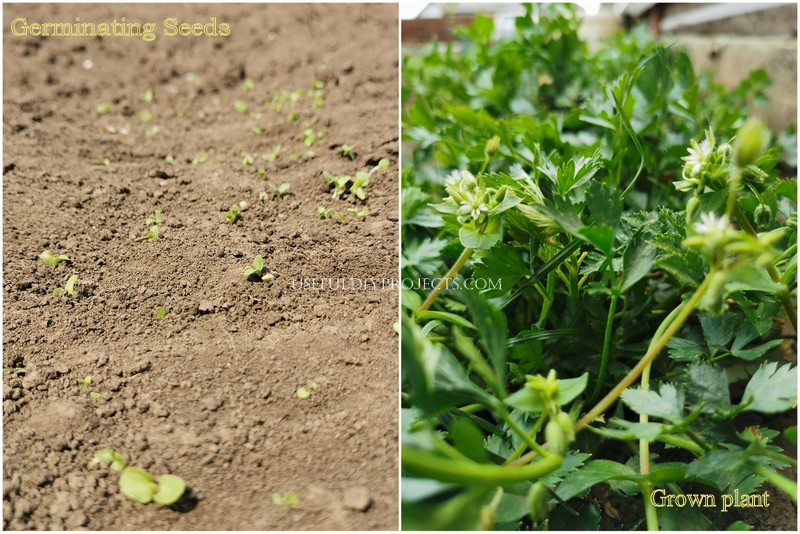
x=462, y=259
x=649, y=356
x=430, y=465
x=528, y=440
x=779, y=481
x=532, y=434
x=601, y=374
x=786, y=299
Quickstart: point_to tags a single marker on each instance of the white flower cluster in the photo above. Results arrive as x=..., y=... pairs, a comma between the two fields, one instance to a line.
x=706, y=161
x=474, y=201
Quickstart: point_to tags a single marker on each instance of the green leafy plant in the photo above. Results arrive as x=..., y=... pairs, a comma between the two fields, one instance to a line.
x=349, y=151
x=255, y=271
x=68, y=289
x=159, y=312
x=272, y=156
x=635, y=234
x=48, y=258
x=199, y=158
x=281, y=189
x=138, y=484
x=233, y=213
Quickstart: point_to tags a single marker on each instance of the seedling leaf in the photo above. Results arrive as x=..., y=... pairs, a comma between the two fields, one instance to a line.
x=137, y=484
x=288, y=498
x=170, y=489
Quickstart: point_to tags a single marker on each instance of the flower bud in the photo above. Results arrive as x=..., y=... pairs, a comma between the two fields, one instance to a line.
x=762, y=215
x=750, y=142
x=491, y=146
x=537, y=502
x=565, y=421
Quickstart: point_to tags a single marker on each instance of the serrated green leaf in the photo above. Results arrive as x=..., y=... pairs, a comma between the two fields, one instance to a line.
x=666, y=403
x=772, y=389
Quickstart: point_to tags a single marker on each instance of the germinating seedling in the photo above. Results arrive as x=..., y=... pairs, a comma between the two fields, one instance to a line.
x=85, y=381
x=138, y=484
x=288, y=498
x=148, y=96
x=153, y=223
x=248, y=159
x=305, y=392
x=48, y=258
x=68, y=289
x=255, y=271
x=281, y=189
x=104, y=108
x=201, y=157
x=160, y=312
x=232, y=215
x=272, y=156
x=349, y=151
x=248, y=84
x=359, y=213
x=240, y=106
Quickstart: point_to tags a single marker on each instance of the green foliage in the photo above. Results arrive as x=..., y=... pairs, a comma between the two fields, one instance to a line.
x=160, y=312
x=626, y=216
x=68, y=289
x=305, y=392
x=48, y=258
x=255, y=271
x=281, y=189
x=349, y=151
x=138, y=484
x=233, y=213
x=288, y=498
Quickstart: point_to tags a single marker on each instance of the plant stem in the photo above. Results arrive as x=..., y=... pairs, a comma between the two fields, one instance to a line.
x=786, y=299
x=532, y=434
x=462, y=259
x=649, y=356
x=779, y=481
x=528, y=440
x=601, y=374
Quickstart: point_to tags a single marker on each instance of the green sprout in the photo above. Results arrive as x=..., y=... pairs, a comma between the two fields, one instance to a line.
x=160, y=312
x=48, y=258
x=339, y=183
x=94, y=395
x=138, y=484
x=293, y=116
x=104, y=108
x=85, y=381
x=232, y=215
x=240, y=106
x=69, y=287
x=281, y=189
x=153, y=130
x=170, y=159
x=258, y=130
x=153, y=223
x=104, y=163
x=359, y=214
x=288, y=498
x=361, y=181
x=146, y=115
x=248, y=159
x=272, y=156
x=349, y=151
x=201, y=157
x=262, y=172
x=255, y=271
x=308, y=137
x=324, y=213
x=248, y=84
x=263, y=196
x=148, y=96
x=17, y=371
x=305, y=392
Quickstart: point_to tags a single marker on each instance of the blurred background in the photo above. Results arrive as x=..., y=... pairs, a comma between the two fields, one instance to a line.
x=731, y=39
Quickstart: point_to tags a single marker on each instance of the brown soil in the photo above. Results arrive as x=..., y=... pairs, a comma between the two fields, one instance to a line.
x=207, y=393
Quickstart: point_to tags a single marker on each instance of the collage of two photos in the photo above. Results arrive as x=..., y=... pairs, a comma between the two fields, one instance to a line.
x=399, y=266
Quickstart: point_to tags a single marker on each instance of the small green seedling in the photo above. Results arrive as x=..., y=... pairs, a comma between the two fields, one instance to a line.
x=293, y=116
x=94, y=395
x=141, y=486
x=288, y=498
x=263, y=196
x=48, y=258
x=157, y=218
x=85, y=381
x=146, y=116
x=16, y=371
x=272, y=156
x=232, y=215
x=240, y=106
x=305, y=392
x=361, y=181
x=349, y=151
x=69, y=287
x=262, y=172
x=152, y=233
x=359, y=214
x=258, y=130
x=292, y=154
x=170, y=159
x=160, y=312
x=248, y=159
x=308, y=154
x=256, y=115
x=104, y=163
x=339, y=183
x=281, y=189
x=153, y=130
x=104, y=108
x=248, y=84
x=256, y=271
x=148, y=96
x=111, y=459
x=201, y=157
x=324, y=213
